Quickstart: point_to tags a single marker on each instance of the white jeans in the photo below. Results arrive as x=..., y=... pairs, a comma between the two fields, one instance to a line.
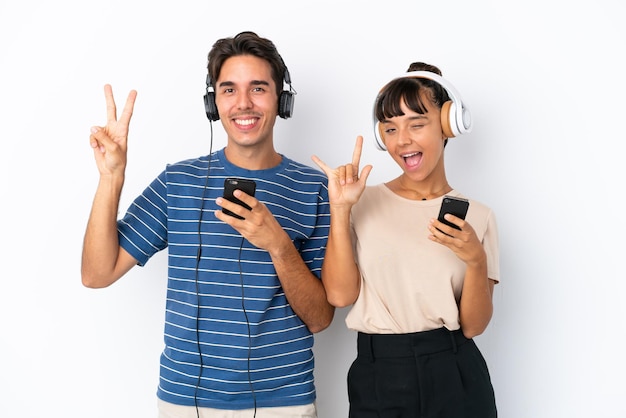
x=169, y=410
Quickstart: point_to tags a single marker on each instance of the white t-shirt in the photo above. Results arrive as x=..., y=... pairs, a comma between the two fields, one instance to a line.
x=408, y=282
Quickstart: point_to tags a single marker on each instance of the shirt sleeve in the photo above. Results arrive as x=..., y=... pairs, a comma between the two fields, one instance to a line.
x=143, y=229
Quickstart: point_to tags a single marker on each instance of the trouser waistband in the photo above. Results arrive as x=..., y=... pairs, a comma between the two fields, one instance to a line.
x=408, y=345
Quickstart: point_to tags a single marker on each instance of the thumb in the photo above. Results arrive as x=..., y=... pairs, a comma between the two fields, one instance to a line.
x=365, y=172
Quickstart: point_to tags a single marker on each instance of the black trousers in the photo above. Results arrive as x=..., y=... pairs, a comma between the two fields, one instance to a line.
x=431, y=374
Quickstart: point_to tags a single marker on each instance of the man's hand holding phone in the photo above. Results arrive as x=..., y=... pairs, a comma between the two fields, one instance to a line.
x=230, y=185
x=256, y=224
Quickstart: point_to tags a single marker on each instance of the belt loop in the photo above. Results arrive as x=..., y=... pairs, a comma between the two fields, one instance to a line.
x=453, y=339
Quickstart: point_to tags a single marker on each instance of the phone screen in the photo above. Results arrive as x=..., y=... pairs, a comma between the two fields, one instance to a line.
x=230, y=185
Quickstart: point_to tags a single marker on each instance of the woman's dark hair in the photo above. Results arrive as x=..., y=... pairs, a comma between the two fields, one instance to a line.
x=247, y=43
x=409, y=90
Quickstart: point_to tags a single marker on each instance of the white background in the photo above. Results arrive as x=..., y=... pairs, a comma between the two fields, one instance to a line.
x=544, y=81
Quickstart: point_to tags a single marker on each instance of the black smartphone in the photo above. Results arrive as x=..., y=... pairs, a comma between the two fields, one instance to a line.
x=457, y=206
x=233, y=183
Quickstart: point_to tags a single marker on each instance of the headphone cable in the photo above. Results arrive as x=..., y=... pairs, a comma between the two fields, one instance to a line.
x=245, y=313
x=198, y=258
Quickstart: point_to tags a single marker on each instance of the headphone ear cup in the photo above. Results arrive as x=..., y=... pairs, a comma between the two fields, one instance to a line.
x=285, y=104
x=210, y=107
x=378, y=136
x=448, y=119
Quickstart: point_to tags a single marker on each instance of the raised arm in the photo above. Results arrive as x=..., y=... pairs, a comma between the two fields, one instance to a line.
x=340, y=273
x=103, y=260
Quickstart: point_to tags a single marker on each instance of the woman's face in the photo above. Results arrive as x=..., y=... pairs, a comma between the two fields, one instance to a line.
x=416, y=141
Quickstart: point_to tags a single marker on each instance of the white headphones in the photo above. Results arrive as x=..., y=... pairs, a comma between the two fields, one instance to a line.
x=455, y=117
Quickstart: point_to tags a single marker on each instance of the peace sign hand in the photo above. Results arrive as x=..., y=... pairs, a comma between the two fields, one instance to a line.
x=345, y=185
x=110, y=142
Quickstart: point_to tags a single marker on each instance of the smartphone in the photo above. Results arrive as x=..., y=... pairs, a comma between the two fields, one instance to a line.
x=457, y=206
x=233, y=183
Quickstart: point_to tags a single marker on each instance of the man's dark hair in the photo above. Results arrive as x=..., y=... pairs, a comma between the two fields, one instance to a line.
x=247, y=43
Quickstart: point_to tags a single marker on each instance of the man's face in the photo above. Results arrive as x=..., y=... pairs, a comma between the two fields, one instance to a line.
x=245, y=95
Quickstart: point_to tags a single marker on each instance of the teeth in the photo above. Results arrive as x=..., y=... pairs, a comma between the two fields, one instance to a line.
x=410, y=155
x=244, y=121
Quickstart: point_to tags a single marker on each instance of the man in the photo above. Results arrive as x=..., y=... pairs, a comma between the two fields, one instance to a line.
x=244, y=294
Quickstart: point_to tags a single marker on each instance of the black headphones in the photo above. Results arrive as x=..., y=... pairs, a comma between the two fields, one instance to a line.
x=285, y=100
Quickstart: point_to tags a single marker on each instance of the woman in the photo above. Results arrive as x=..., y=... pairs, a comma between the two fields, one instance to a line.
x=420, y=290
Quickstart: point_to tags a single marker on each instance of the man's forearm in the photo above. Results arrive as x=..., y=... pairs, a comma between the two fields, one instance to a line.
x=304, y=291
x=101, y=245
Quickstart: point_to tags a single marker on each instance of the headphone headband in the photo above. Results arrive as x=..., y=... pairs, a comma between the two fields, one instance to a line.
x=455, y=119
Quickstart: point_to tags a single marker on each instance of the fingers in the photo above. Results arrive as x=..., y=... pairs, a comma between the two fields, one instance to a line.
x=365, y=172
x=356, y=154
x=237, y=208
x=128, y=108
x=326, y=169
x=464, y=243
x=110, y=101
x=352, y=170
x=93, y=140
x=245, y=198
x=127, y=112
x=446, y=234
x=98, y=139
x=347, y=173
x=438, y=226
